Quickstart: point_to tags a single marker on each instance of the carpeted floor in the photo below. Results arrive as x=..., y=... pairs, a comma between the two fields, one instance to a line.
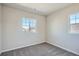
x=43, y=49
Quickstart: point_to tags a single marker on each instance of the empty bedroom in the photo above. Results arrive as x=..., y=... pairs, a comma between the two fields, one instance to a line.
x=39, y=29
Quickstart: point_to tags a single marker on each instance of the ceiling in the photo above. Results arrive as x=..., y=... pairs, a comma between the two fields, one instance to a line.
x=40, y=8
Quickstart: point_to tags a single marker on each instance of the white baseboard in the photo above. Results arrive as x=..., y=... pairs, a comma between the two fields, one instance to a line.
x=40, y=43
x=64, y=48
x=22, y=46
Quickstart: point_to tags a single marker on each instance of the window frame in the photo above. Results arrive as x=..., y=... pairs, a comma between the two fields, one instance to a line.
x=30, y=22
x=70, y=30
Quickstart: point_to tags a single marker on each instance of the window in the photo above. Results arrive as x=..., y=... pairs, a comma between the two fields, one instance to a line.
x=28, y=24
x=74, y=19
x=74, y=22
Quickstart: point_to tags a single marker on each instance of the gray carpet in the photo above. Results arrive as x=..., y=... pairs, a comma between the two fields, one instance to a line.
x=43, y=49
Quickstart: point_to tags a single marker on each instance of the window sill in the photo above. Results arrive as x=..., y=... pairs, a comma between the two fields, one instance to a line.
x=74, y=32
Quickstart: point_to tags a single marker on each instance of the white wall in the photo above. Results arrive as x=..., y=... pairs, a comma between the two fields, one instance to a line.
x=58, y=29
x=13, y=36
x=0, y=29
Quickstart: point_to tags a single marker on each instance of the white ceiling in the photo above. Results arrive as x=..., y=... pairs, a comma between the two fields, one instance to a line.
x=40, y=8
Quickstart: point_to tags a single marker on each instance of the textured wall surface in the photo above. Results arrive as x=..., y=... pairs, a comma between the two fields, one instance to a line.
x=58, y=29
x=13, y=36
x=0, y=28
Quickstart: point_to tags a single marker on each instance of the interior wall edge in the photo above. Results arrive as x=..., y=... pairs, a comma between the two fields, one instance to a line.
x=1, y=29
x=20, y=8
x=22, y=47
x=63, y=48
x=60, y=9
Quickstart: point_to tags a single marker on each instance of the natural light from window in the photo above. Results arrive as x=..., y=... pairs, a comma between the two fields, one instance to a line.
x=28, y=24
x=74, y=19
x=74, y=23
